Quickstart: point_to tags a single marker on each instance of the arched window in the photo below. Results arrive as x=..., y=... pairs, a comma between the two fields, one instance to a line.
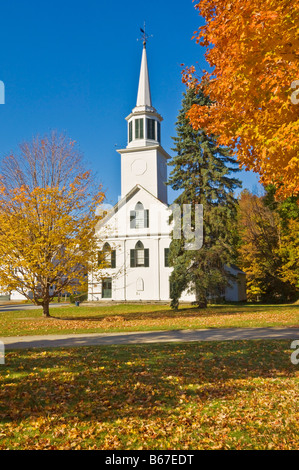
x=107, y=257
x=139, y=206
x=139, y=250
x=139, y=211
x=139, y=218
x=139, y=256
x=107, y=254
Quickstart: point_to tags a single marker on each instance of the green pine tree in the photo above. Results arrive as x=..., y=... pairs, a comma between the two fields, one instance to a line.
x=202, y=172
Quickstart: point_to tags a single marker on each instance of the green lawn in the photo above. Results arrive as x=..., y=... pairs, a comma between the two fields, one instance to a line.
x=226, y=395
x=135, y=317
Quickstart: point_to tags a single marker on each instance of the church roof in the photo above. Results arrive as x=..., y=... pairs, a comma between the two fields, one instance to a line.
x=124, y=201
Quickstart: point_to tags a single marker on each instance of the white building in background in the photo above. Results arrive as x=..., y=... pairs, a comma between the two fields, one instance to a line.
x=135, y=233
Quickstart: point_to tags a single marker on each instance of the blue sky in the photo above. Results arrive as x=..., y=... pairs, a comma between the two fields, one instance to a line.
x=73, y=66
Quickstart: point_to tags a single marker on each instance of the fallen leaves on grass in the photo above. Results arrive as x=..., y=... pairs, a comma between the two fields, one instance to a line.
x=230, y=395
x=67, y=320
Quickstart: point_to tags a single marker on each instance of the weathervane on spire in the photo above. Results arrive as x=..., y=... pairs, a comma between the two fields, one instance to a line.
x=145, y=37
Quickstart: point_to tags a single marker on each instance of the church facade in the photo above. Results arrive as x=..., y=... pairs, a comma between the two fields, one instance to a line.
x=135, y=233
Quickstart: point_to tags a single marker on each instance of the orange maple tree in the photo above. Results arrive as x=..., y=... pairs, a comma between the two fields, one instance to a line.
x=253, y=50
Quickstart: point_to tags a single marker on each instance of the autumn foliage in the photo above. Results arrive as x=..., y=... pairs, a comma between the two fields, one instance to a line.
x=253, y=50
x=269, y=247
x=47, y=220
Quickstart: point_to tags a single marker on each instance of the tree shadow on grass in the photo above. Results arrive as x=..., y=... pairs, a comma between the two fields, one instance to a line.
x=186, y=312
x=107, y=383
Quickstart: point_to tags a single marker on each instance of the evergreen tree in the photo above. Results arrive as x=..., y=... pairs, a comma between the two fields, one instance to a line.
x=202, y=173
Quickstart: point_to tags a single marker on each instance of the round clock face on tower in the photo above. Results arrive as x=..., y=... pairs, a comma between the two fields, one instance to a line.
x=138, y=167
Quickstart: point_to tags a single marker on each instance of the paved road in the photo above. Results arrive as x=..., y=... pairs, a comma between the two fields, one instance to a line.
x=12, y=307
x=215, y=334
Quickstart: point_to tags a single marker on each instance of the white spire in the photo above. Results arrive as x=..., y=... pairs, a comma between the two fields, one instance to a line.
x=144, y=92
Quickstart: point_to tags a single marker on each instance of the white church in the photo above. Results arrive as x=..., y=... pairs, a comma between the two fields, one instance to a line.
x=135, y=233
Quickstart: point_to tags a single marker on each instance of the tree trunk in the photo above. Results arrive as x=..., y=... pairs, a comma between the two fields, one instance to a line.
x=202, y=303
x=46, y=310
x=201, y=298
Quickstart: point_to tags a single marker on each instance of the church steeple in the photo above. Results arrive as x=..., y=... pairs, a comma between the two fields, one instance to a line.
x=144, y=122
x=144, y=91
x=144, y=161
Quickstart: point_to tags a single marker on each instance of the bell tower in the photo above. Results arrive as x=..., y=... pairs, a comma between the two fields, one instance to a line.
x=144, y=161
